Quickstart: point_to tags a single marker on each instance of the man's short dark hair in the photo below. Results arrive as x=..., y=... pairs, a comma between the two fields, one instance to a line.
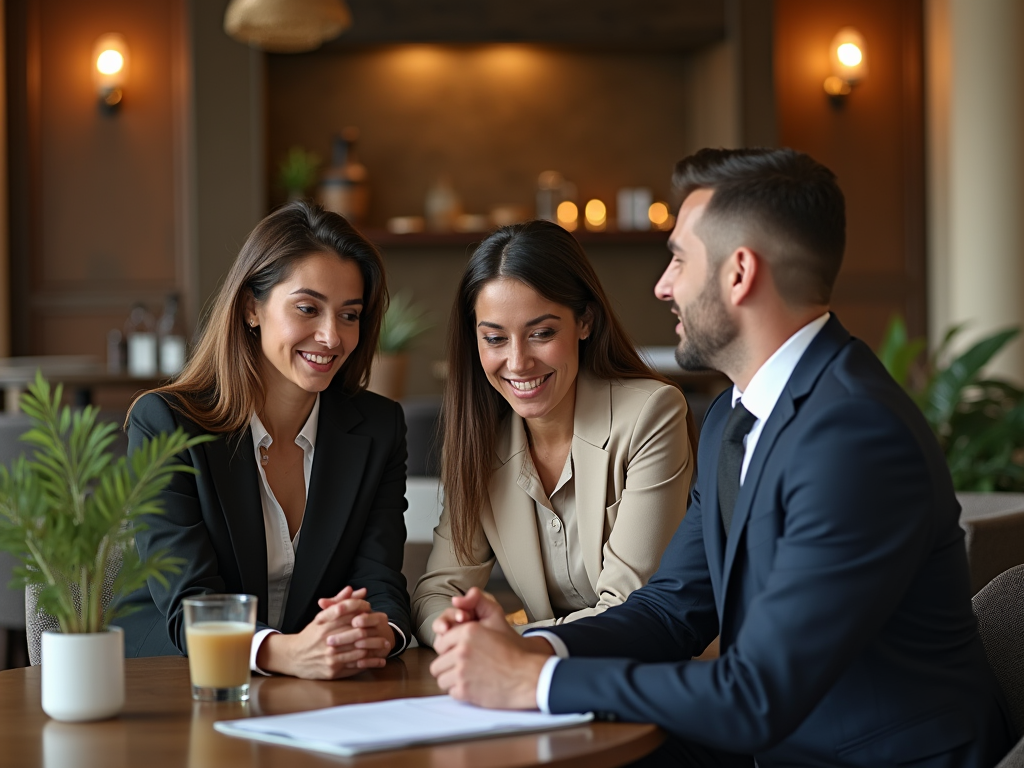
x=782, y=204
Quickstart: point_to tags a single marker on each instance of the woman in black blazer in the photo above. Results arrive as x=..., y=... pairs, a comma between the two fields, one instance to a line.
x=299, y=498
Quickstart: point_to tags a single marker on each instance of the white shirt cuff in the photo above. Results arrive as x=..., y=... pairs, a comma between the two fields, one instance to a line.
x=547, y=672
x=400, y=640
x=257, y=640
x=544, y=683
x=557, y=644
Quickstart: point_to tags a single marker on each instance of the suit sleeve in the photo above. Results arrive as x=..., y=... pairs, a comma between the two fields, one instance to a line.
x=377, y=565
x=652, y=504
x=856, y=493
x=446, y=577
x=181, y=530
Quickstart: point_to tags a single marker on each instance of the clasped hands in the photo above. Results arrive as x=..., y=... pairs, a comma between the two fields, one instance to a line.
x=344, y=638
x=481, y=659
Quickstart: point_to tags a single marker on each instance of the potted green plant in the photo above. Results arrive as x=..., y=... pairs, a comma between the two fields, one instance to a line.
x=979, y=421
x=403, y=323
x=298, y=172
x=67, y=514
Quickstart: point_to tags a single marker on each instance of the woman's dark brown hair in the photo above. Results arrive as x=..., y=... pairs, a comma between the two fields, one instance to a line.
x=220, y=387
x=548, y=259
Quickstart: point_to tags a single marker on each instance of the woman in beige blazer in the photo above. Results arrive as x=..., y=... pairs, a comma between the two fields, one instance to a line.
x=565, y=459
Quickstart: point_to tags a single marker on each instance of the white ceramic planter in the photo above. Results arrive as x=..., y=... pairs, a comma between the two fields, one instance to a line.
x=83, y=675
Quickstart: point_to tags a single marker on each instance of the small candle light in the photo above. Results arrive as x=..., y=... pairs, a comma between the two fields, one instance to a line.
x=596, y=215
x=567, y=214
x=660, y=217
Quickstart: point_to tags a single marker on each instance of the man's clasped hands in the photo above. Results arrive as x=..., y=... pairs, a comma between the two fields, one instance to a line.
x=482, y=660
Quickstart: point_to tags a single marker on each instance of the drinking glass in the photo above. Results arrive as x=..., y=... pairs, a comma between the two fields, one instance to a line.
x=218, y=633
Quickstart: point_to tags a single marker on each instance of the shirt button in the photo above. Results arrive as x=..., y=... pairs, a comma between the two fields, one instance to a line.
x=555, y=523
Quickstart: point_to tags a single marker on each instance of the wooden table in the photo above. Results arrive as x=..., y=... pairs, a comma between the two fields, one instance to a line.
x=162, y=726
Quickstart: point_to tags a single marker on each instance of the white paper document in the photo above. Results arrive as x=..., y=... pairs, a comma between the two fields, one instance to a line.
x=355, y=728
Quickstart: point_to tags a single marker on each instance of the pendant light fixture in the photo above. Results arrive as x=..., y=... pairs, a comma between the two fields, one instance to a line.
x=286, y=26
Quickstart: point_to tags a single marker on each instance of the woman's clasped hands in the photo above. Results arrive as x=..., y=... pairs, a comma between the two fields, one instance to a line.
x=346, y=637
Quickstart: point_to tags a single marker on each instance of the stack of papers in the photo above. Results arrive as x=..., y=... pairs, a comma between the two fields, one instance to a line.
x=356, y=728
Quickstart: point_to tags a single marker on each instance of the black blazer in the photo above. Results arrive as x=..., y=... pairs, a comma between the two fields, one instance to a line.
x=353, y=531
x=841, y=594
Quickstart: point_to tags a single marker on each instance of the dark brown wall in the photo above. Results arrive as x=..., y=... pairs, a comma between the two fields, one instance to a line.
x=97, y=217
x=492, y=117
x=874, y=143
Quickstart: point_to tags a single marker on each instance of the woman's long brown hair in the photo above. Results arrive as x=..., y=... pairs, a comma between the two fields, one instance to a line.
x=220, y=387
x=549, y=260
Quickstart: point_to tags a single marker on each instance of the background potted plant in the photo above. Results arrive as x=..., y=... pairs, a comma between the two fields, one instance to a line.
x=403, y=323
x=978, y=421
x=68, y=514
x=298, y=172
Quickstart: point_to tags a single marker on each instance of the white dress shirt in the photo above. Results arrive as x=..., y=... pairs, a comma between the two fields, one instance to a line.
x=760, y=397
x=281, y=547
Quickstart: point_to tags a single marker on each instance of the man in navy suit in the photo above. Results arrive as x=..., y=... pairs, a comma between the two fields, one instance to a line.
x=822, y=541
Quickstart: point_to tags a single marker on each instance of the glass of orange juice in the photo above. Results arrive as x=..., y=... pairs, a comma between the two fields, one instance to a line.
x=218, y=633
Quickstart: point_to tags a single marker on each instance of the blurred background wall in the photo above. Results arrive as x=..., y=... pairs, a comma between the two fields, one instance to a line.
x=105, y=211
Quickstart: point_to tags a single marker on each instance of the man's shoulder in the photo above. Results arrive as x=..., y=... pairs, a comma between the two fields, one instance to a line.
x=856, y=373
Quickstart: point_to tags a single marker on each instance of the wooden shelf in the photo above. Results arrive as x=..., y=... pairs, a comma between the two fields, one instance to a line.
x=385, y=239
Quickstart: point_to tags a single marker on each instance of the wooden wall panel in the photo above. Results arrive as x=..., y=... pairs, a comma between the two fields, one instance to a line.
x=98, y=197
x=874, y=143
x=107, y=181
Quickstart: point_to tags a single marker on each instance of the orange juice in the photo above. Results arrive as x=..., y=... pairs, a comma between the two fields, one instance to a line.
x=218, y=653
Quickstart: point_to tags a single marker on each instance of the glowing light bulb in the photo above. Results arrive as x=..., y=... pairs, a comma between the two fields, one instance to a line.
x=849, y=54
x=596, y=215
x=109, y=62
x=567, y=214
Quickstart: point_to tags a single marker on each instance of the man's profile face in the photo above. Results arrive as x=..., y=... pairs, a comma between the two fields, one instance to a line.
x=705, y=327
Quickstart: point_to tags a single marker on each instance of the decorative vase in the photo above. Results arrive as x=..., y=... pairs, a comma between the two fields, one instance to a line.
x=83, y=675
x=387, y=376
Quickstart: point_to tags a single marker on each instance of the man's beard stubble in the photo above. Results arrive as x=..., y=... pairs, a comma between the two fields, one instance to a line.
x=707, y=330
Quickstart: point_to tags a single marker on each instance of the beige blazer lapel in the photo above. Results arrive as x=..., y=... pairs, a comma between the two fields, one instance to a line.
x=515, y=522
x=591, y=429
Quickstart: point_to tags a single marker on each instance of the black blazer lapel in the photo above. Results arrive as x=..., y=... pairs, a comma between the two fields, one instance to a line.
x=233, y=469
x=830, y=339
x=339, y=461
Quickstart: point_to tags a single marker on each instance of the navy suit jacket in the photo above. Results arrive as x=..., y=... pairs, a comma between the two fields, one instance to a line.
x=841, y=594
x=353, y=530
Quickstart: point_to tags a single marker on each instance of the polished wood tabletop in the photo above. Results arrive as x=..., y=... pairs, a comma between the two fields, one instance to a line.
x=161, y=726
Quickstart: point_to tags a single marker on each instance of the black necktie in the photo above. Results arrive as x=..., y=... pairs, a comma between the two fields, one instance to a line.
x=730, y=460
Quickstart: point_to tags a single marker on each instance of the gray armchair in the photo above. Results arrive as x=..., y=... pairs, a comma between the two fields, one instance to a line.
x=999, y=607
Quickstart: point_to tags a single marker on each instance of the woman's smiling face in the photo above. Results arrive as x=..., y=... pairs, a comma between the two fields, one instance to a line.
x=529, y=347
x=309, y=323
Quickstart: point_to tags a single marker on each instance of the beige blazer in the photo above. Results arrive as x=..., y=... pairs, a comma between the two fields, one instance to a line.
x=632, y=467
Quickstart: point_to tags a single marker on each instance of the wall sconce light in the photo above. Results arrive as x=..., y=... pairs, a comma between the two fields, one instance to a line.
x=849, y=61
x=110, y=70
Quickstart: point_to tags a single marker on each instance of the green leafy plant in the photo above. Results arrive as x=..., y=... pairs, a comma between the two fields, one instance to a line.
x=979, y=422
x=403, y=323
x=68, y=513
x=298, y=171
